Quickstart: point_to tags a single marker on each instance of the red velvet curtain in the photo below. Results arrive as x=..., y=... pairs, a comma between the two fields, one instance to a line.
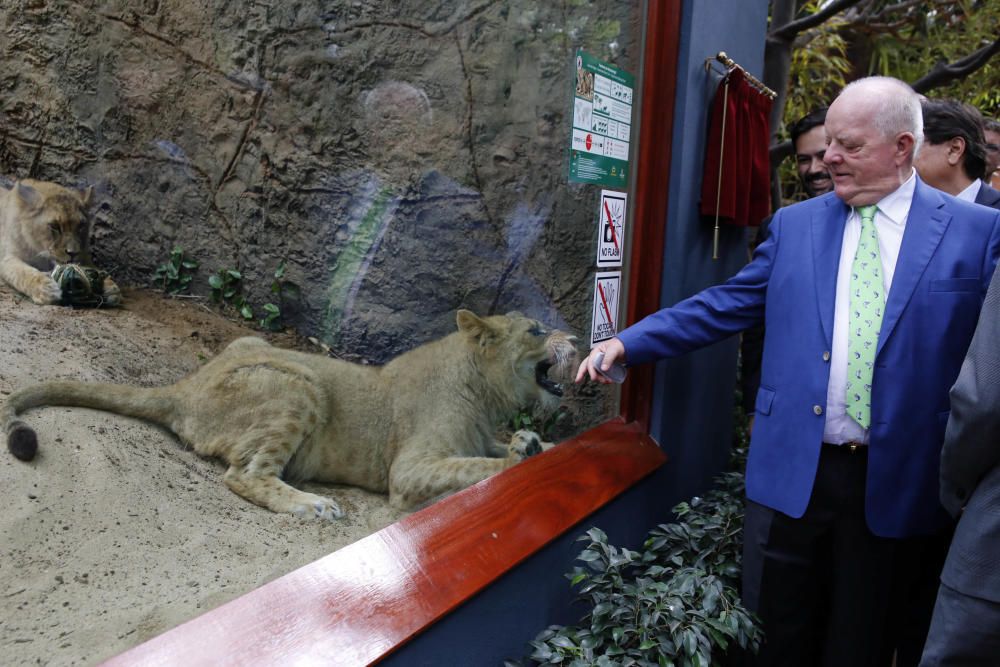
x=741, y=192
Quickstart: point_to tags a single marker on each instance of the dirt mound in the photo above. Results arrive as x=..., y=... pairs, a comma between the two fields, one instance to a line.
x=116, y=533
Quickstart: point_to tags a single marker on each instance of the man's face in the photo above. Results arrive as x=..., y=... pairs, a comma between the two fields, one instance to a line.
x=813, y=172
x=865, y=164
x=992, y=152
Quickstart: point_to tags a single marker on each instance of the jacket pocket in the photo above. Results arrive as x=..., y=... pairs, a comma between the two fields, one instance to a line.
x=765, y=396
x=956, y=285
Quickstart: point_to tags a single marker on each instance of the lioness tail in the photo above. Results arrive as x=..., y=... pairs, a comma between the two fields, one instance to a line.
x=150, y=404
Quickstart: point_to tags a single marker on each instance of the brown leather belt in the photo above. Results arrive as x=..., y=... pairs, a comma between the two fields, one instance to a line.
x=850, y=447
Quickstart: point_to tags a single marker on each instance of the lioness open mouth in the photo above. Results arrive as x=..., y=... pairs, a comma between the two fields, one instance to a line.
x=543, y=381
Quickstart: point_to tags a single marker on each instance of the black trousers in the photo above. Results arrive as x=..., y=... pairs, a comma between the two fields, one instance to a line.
x=824, y=586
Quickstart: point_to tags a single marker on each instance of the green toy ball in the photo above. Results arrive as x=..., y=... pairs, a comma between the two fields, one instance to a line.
x=82, y=286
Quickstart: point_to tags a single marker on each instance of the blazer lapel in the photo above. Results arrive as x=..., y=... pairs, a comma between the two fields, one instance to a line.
x=827, y=239
x=925, y=226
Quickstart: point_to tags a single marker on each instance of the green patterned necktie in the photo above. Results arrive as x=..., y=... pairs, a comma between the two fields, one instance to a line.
x=867, y=302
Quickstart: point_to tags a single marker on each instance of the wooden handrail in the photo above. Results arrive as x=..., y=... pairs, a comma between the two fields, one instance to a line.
x=360, y=603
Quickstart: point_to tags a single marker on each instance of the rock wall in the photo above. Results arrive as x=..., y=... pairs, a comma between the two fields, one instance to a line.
x=400, y=160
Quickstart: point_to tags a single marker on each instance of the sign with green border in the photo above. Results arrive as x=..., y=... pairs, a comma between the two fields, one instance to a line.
x=602, y=123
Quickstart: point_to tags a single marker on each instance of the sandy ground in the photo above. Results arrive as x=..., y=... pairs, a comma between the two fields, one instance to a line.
x=116, y=533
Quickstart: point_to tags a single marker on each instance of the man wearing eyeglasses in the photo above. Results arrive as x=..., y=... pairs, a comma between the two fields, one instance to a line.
x=953, y=158
x=992, y=131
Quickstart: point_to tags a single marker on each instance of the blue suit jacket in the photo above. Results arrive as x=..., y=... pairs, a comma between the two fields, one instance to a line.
x=946, y=260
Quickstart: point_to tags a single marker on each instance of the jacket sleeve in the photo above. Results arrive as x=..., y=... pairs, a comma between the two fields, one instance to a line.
x=972, y=438
x=708, y=316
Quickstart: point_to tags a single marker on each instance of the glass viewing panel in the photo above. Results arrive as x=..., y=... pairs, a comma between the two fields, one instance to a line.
x=351, y=174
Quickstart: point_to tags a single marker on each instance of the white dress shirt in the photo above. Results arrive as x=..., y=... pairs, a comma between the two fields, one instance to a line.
x=970, y=193
x=890, y=221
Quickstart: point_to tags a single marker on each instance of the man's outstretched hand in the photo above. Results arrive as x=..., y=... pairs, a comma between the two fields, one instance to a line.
x=613, y=351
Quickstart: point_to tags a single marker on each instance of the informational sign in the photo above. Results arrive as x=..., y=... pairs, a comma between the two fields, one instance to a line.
x=611, y=228
x=607, y=288
x=602, y=123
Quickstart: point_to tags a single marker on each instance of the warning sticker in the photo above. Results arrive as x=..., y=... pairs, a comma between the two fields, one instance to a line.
x=607, y=287
x=611, y=228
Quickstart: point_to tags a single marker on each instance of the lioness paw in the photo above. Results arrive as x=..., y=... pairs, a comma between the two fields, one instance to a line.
x=112, y=294
x=525, y=443
x=46, y=292
x=320, y=508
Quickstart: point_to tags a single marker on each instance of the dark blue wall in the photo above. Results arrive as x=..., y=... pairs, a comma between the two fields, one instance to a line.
x=692, y=414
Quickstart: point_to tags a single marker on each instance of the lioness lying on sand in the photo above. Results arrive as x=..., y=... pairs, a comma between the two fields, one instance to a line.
x=420, y=427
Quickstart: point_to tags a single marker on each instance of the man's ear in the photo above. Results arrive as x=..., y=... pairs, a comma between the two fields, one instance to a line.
x=905, y=145
x=956, y=149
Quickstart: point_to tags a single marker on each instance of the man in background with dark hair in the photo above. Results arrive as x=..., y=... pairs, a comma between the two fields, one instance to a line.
x=809, y=143
x=953, y=157
x=992, y=132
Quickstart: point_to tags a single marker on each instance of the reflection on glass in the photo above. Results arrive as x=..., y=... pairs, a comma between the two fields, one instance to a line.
x=367, y=168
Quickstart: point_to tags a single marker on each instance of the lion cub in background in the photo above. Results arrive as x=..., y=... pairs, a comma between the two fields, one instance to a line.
x=418, y=428
x=43, y=224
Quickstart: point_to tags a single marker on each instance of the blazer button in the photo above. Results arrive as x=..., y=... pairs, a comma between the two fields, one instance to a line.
x=826, y=355
x=817, y=409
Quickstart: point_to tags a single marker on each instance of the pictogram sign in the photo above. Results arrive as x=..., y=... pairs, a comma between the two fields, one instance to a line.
x=607, y=288
x=611, y=228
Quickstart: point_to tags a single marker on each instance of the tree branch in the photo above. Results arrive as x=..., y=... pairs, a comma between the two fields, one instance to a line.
x=887, y=10
x=788, y=31
x=944, y=73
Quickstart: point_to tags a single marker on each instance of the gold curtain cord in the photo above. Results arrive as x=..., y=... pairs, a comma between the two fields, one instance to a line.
x=751, y=79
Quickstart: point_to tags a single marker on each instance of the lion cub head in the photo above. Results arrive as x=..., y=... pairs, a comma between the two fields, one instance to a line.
x=51, y=221
x=521, y=353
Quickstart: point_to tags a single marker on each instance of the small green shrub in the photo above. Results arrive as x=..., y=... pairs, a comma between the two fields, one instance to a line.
x=224, y=284
x=226, y=289
x=272, y=317
x=174, y=276
x=543, y=424
x=280, y=288
x=675, y=603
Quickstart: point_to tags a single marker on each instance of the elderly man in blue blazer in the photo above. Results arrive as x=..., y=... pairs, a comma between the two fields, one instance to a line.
x=870, y=296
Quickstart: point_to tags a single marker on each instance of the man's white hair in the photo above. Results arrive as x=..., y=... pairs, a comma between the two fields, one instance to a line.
x=896, y=105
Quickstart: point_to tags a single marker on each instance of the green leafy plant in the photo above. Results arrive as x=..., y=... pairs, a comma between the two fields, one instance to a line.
x=542, y=424
x=174, y=276
x=224, y=284
x=227, y=289
x=675, y=603
x=281, y=289
x=272, y=317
